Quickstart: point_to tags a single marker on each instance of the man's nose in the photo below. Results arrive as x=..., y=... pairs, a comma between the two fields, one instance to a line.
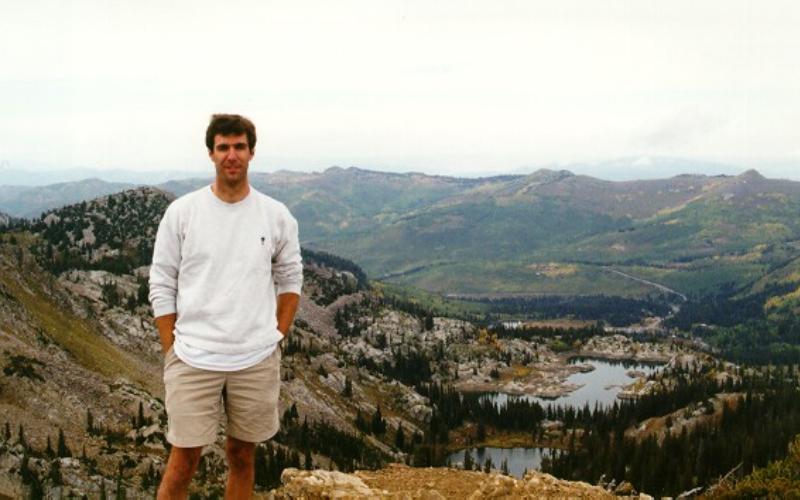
x=231, y=154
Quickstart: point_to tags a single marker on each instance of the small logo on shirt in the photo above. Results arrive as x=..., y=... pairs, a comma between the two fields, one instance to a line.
x=262, y=241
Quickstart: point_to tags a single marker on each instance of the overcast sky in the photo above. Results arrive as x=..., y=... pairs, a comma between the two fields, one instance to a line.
x=451, y=87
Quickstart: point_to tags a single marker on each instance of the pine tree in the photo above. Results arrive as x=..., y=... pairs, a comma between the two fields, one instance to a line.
x=24, y=469
x=21, y=437
x=89, y=422
x=55, y=473
x=62, y=448
x=429, y=321
x=378, y=423
x=140, y=420
x=262, y=477
x=467, y=460
x=147, y=478
x=348, y=388
x=400, y=438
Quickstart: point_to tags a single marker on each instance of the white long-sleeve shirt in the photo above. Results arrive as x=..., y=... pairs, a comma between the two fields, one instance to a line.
x=217, y=265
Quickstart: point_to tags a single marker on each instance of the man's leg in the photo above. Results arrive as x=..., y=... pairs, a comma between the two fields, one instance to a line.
x=251, y=402
x=178, y=474
x=241, y=468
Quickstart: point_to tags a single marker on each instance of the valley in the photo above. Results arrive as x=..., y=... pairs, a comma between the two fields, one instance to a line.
x=379, y=373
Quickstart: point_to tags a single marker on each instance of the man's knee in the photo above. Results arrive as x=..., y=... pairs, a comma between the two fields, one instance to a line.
x=241, y=454
x=183, y=462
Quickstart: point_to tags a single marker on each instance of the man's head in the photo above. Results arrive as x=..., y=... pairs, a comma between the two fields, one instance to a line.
x=231, y=141
x=222, y=124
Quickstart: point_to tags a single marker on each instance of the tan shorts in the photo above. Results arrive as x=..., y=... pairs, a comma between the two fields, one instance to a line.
x=194, y=401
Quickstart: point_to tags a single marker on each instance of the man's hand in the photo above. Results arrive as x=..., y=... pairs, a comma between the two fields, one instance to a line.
x=166, y=327
x=287, y=307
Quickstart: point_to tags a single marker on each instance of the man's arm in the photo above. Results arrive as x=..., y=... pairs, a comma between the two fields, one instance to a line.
x=287, y=271
x=166, y=328
x=287, y=307
x=164, y=278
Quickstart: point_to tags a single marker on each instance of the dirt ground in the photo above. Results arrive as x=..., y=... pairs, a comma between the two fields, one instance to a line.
x=450, y=483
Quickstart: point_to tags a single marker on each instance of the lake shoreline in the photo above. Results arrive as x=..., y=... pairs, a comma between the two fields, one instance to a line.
x=548, y=379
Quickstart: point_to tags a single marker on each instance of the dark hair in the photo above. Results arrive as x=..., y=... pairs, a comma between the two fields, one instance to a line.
x=230, y=125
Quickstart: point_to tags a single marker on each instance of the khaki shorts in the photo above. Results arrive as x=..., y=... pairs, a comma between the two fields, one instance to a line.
x=194, y=401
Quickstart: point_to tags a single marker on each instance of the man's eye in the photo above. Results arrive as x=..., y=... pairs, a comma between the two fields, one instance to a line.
x=241, y=147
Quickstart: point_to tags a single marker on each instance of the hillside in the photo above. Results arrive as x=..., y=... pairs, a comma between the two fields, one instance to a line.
x=31, y=201
x=690, y=233
x=547, y=233
x=369, y=378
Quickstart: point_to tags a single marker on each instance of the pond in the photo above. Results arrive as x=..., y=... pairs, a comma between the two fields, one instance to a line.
x=519, y=459
x=600, y=385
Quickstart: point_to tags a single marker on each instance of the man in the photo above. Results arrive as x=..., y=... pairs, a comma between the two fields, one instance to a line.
x=220, y=254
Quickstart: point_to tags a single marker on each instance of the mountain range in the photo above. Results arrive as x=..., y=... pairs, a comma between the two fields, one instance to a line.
x=550, y=232
x=367, y=378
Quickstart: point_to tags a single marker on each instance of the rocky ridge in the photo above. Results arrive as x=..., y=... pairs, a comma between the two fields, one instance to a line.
x=401, y=482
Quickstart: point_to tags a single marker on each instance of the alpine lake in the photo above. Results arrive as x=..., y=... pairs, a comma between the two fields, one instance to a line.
x=597, y=387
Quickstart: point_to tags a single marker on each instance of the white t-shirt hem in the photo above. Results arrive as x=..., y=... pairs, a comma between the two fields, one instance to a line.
x=214, y=361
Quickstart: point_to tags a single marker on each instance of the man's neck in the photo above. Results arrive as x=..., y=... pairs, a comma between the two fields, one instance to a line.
x=230, y=193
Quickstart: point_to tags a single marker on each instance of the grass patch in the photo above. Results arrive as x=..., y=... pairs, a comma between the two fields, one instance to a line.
x=73, y=334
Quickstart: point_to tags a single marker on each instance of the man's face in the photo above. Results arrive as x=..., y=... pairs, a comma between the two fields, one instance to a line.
x=231, y=156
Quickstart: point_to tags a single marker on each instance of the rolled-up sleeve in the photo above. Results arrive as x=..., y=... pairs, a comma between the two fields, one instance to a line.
x=164, y=269
x=287, y=264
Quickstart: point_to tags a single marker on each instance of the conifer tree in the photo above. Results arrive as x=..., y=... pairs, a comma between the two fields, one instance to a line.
x=21, y=437
x=378, y=423
x=348, y=388
x=468, y=463
x=62, y=448
x=140, y=420
x=55, y=473
x=400, y=438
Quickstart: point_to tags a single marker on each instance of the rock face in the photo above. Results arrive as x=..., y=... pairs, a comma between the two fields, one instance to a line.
x=402, y=482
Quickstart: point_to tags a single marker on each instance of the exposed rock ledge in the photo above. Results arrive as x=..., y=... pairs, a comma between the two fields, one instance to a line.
x=401, y=482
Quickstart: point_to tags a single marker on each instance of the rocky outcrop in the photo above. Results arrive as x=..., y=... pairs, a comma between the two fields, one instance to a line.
x=402, y=482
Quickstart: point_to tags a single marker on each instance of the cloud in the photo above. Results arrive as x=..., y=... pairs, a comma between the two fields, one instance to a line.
x=682, y=131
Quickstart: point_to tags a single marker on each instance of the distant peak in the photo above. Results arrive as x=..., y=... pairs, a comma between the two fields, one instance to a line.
x=546, y=175
x=751, y=174
x=338, y=170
